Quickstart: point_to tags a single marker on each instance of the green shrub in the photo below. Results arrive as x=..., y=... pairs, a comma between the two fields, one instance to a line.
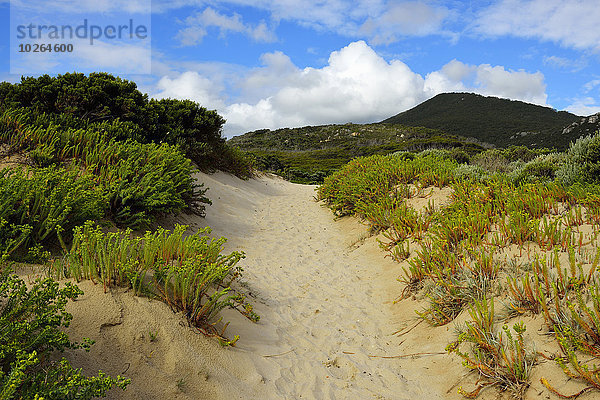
x=146, y=180
x=31, y=322
x=492, y=160
x=102, y=102
x=582, y=161
x=543, y=167
x=38, y=205
x=188, y=273
x=469, y=171
x=140, y=180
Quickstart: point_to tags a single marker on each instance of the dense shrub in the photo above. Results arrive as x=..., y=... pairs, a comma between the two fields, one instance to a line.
x=116, y=107
x=582, y=161
x=367, y=180
x=543, y=167
x=38, y=205
x=146, y=180
x=31, y=322
x=140, y=180
x=96, y=97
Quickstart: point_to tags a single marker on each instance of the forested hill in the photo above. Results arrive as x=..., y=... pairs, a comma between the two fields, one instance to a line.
x=493, y=120
x=307, y=154
x=356, y=138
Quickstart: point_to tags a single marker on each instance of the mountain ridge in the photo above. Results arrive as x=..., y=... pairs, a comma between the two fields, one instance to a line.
x=498, y=121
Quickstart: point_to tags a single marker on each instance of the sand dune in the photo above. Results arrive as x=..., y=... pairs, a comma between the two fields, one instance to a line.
x=324, y=292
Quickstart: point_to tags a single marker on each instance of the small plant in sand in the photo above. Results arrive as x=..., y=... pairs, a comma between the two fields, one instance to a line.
x=500, y=357
x=31, y=325
x=188, y=273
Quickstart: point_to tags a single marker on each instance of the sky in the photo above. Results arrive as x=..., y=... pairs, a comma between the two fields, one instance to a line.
x=287, y=63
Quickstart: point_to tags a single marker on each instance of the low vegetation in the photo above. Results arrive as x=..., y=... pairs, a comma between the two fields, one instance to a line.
x=468, y=253
x=89, y=163
x=31, y=319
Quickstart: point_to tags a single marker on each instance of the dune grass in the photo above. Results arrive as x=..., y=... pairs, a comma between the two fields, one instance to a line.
x=189, y=273
x=458, y=257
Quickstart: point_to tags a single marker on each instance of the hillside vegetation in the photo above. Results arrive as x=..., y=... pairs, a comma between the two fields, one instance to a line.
x=500, y=122
x=307, y=154
x=465, y=122
x=86, y=160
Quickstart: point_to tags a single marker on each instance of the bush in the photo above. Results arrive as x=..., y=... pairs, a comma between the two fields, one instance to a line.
x=30, y=322
x=190, y=274
x=543, y=167
x=492, y=160
x=102, y=102
x=472, y=172
x=582, y=161
x=140, y=180
x=38, y=205
x=146, y=180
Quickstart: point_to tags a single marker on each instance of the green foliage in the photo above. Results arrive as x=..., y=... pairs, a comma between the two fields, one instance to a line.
x=308, y=154
x=146, y=180
x=453, y=254
x=39, y=205
x=582, y=161
x=30, y=321
x=102, y=102
x=366, y=180
x=96, y=97
x=139, y=181
x=500, y=357
x=188, y=273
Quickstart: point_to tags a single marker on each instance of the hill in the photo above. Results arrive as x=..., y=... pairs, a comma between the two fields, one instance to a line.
x=585, y=126
x=307, y=154
x=497, y=121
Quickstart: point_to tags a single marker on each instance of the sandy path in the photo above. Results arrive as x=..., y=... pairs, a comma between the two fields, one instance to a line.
x=325, y=307
x=323, y=302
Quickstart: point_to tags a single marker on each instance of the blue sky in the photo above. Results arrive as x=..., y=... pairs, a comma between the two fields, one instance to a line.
x=271, y=64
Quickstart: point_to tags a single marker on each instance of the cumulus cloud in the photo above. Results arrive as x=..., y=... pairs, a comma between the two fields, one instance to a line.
x=489, y=80
x=191, y=85
x=197, y=25
x=357, y=85
x=572, y=23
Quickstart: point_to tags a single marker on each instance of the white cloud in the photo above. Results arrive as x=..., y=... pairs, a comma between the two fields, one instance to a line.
x=357, y=85
x=191, y=85
x=572, y=23
x=380, y=21
x=121, y=58
x=404, y=19
x=591, y=85
x=584, y=106
x=490, y=81
x=197, y=24
x=565, y=63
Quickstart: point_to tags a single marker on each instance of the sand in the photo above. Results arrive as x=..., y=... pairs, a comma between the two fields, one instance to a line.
x=325, y=294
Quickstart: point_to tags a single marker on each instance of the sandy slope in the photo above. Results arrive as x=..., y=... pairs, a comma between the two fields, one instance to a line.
x=325, y=295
